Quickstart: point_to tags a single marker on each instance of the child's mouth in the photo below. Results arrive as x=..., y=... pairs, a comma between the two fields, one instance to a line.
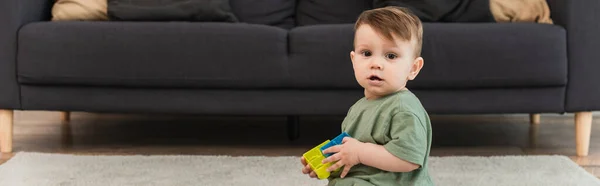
x=375, y=78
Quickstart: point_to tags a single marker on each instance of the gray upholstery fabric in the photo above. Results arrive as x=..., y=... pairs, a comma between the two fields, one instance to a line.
x=320, y=56
x=153, y=54
x=171, y=10
x=444, y=10
x=280, y=102
x=14, y=14
x=278, y=13
x=580, y=18
x=492, y=56
x=314, y=12
x=456, y=56
x=193, y=101
x=493, y=101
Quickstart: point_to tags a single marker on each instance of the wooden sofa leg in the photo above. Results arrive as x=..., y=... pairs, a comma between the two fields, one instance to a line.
x=6, y=130
x=534, y=118
x=583, y=129
x=65, y=115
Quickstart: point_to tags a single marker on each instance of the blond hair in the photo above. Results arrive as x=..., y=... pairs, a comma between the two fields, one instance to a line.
x=394, y=21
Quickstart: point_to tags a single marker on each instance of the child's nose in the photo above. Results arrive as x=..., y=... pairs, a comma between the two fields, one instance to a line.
x=376, y=64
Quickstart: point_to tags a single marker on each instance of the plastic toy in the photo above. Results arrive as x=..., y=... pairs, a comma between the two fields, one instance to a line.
x=335, y=141
x=315, y=156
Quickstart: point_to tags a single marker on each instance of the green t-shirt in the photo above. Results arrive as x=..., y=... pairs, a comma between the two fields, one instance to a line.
x=398, y=122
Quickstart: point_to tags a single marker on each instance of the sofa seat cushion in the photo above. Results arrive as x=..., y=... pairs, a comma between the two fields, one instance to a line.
x=151, y=54
x=481, y=55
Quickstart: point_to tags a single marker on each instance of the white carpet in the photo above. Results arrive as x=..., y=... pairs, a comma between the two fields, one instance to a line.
x=39, y=169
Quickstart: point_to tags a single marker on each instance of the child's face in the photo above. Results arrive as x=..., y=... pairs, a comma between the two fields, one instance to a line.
x=382, y=66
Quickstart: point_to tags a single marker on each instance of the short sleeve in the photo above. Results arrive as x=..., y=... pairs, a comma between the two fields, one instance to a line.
x=348, y=114
x=408, y=138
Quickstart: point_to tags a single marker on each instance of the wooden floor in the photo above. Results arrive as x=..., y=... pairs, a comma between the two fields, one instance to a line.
x=95, y=133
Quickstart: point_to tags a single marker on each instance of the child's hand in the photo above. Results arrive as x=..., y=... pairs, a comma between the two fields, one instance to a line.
x=346, y=155
x=306, y=169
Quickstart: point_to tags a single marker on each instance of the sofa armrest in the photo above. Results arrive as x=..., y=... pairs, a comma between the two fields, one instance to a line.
x=13, y=15
x=581, y=20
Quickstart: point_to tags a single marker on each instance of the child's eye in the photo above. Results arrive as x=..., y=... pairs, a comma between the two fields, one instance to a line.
x=391, y=56
x=366, y=53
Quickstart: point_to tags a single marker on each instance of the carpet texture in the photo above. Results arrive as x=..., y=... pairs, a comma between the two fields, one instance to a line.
x=28, y=169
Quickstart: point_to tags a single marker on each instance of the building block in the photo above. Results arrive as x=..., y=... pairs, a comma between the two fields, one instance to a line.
x=315, y=156
x=335, y=141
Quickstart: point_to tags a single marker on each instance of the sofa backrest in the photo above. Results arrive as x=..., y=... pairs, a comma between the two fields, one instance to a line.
x=313, y=12
x=291, y=13
x=278, y=13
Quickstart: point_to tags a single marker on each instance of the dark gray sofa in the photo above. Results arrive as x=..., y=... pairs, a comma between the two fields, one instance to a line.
x=284, y=61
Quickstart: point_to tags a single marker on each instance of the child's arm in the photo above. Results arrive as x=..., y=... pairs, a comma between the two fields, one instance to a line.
x=377, y=156
x=353, y=152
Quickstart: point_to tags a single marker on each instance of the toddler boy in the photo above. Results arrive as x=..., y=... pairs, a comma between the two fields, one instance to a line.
x=390, y=129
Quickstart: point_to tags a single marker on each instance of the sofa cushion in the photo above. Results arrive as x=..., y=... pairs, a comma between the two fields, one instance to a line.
x=480, y=55
x=151, y=54
x=445, y=10
x=171, y=10
x=314, y=12
x=278, y=13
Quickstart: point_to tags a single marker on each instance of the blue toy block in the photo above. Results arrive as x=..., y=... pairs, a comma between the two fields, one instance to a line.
x=335, y=141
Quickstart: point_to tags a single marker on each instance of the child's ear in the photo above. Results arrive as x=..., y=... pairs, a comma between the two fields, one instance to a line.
x=352, y=56
x=415, y=68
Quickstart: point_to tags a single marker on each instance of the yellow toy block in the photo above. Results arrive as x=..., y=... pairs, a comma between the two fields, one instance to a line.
x=314, y=157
